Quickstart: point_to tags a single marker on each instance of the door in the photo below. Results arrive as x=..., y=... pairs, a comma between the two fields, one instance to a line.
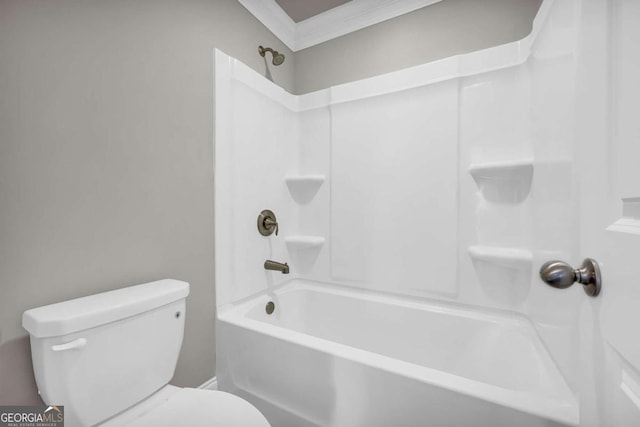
x=607, y=148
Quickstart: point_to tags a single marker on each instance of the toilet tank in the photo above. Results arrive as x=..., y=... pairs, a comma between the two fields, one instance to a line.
x=100, y=354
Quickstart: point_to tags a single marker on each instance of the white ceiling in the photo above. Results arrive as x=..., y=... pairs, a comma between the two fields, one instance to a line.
x=325, y=24
x=299, y=10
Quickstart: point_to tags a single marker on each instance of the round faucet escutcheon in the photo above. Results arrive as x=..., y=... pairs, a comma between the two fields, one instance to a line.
x=267, y=223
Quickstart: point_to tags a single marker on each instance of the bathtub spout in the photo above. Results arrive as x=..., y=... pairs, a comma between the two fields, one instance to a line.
x=276, y=266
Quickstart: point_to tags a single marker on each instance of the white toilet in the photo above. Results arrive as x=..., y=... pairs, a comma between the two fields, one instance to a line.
x=108, y=358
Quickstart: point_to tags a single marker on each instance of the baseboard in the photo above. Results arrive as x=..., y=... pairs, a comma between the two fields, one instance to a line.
x=211, y=384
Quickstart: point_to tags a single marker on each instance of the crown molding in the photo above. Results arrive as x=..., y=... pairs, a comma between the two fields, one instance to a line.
x=336, y=22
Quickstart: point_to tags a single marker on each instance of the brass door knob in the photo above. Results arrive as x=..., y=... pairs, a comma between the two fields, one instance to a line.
x=561, y=275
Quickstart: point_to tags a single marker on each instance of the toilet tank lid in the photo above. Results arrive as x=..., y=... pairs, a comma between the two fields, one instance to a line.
x=99, y=309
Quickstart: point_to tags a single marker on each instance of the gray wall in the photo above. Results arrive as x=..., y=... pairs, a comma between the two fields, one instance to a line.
x=106, y=175
x=444, y=29
x=106, y=123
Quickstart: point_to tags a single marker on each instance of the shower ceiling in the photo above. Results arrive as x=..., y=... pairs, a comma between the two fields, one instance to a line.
x=299, y=10
x=304, y=23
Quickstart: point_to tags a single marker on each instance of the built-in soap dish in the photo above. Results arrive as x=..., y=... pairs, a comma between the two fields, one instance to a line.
x=303, y=251
x=504, y=182
x=303, y=188
x=504, y=273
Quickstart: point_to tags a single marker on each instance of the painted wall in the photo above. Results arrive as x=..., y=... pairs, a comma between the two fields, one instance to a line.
x=447, y=28
x=106, y=173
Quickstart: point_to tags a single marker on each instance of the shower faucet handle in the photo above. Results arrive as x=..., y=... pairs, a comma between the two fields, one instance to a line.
x=267, y=223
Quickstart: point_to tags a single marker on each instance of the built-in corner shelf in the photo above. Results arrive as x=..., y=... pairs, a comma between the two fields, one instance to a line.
x=303, y=188
x=296, y=243
x=503, y=273
x=504, y=182
x=304, y=250
x=505, y=257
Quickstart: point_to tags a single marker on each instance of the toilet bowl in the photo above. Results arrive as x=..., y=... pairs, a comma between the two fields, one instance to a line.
x=108, y=359
x=173, y=406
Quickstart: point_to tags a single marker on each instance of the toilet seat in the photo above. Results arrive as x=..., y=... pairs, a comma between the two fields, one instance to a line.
x=173, y=406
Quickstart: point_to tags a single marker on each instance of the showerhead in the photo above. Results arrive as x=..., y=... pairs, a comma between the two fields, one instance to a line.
x=278, y=58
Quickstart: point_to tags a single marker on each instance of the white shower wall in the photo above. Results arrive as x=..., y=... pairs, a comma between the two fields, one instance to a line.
x=394, y=191
x=452, y=180
x=249, y=179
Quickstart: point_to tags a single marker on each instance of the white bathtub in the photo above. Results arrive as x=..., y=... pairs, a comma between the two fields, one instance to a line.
x=332, y=356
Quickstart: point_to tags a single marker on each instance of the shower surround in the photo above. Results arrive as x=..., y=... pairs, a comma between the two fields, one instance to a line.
x=414, y=209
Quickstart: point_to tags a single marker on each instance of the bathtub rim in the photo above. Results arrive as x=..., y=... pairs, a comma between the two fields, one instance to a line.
x=564, y=411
